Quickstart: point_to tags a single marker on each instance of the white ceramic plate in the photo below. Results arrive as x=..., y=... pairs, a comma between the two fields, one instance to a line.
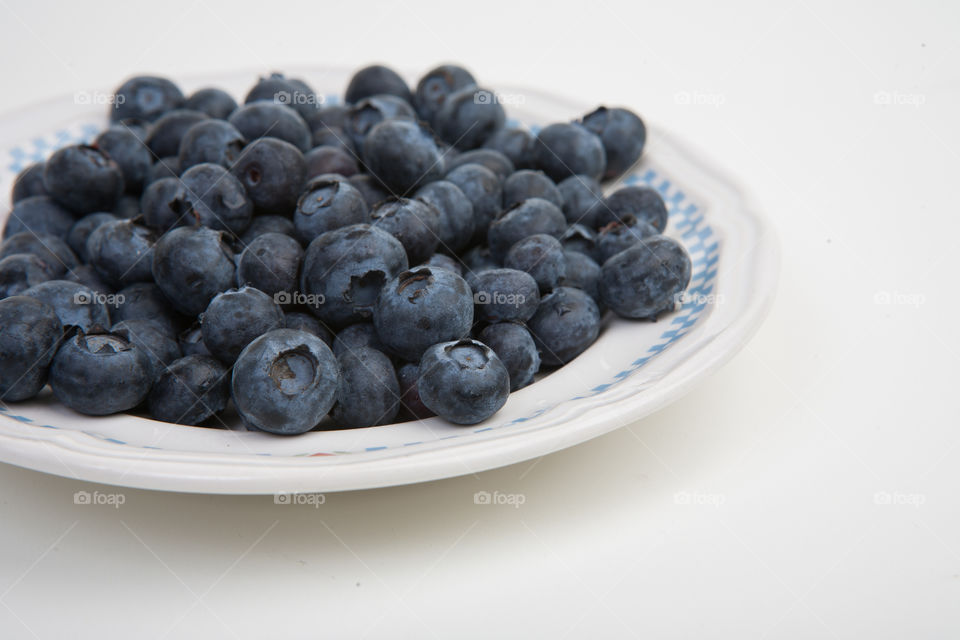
x=632, y=370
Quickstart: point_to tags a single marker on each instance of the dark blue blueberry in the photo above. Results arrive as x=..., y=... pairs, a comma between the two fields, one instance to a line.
x=344, y=270
x=502, y=295
x=190, y=391
x=157, y=345
x=271, y=263
x=581, y=239
x=617, y=236
x=436, y=85
x=369, y=394
x=580, y=195
x=413, y=222
x=29, y=334
x=216, y=198
x=623, y=135
x=100, y=373
x=642, y=202
x=422, y=307
x=286, y=91
x=524, y=219
x=482, y=188
x=370, y=188
x=88, y=277
x=566, y=323
x=362, y=117
x=479, y=259
x=130, y=153
x=121, y=252
x=332, y=116
x=235, y=318
x=164, y=204
x=516, y=349
x=51, y=249
x=562, y=150
x=267, y=224
x=303, y=321
x=499, y=164
x=145, y=301
x=411, y=406
x=527, y=183
x=145, y=98
x=541, y=256
x=20, y=271
x=168, y=167
x=516, y=143
x=468, y=117
x=322, y=160
x=273, y=173
x=28, y=183
x=361, y=334
x=455, y=228
x=128, y=206
x=168, y=131
x=582, y=273
x=327, y=205
x=216, y=103
x=402, y=156
x=81, y=230
x=213, y=141
x=443, y=261
x=83, y=179
x=336, y=137
x=285, y=382
x=463, y=381
x=75, y=304
x=645, y=280
x=374, y=80
x=262, y=119
x=40, y=215
x=191, y=265
x=191, y=342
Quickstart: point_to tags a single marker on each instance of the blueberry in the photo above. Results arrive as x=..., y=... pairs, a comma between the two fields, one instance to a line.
x=455, y=220
x=100, y=373
x=463, y=381
x=75, y=304
x=133, y=157
x=562, y=150
x=29, y=334
x=516, y=349
x=83, y=179
x=20, y=271
x=262, y=119
x=127, y=207
x=422, y=307
x=235, y=318
x=191, y=265
x=121, y=252
x=190, y=391
x=527, y=183
x=617, y=236
x=213, y=141
x=582, y=272
x=482, y=188
x=145, y=301
x=345, y=269
x=28, y=183
x=411, y=406
x=168, y=167
x=145, y=98
x=361, y=334
x=336, y=137
x=541, y=256
x=328, y=116
x=413, y=222
x=215, y=198
x=271, y=263
x=216, y=103
x=168, y=131
x=191, y=342
x=164, y=204
x=157, y=345
x=401, y=155
x=581, y=239
x=642, y=202
x=327, y=205
x=524, y=219
x=330, y=160
x=273, y=173
x=443, y=261
x=436, y=85
x=369, y=393
x=39, y=215
x=286, y=91
x=88, y=277
x=51, y=249
x=623, y=135
x=285, y=382
x=479, y=259
x=580, y=195
x=267, y=224
x=371, y=189
x=566, y=323
x=81, y=230
x=644, y=280
x=362, y=117
x=376, y=79
x=502, y=295
x=493, y=160
x=468, y=117
x=302, y=321
x=516, y=143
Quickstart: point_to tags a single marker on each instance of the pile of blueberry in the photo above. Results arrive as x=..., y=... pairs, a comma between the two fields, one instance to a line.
x=404, y=254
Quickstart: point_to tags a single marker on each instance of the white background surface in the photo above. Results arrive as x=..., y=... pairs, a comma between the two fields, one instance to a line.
x=808, y=490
